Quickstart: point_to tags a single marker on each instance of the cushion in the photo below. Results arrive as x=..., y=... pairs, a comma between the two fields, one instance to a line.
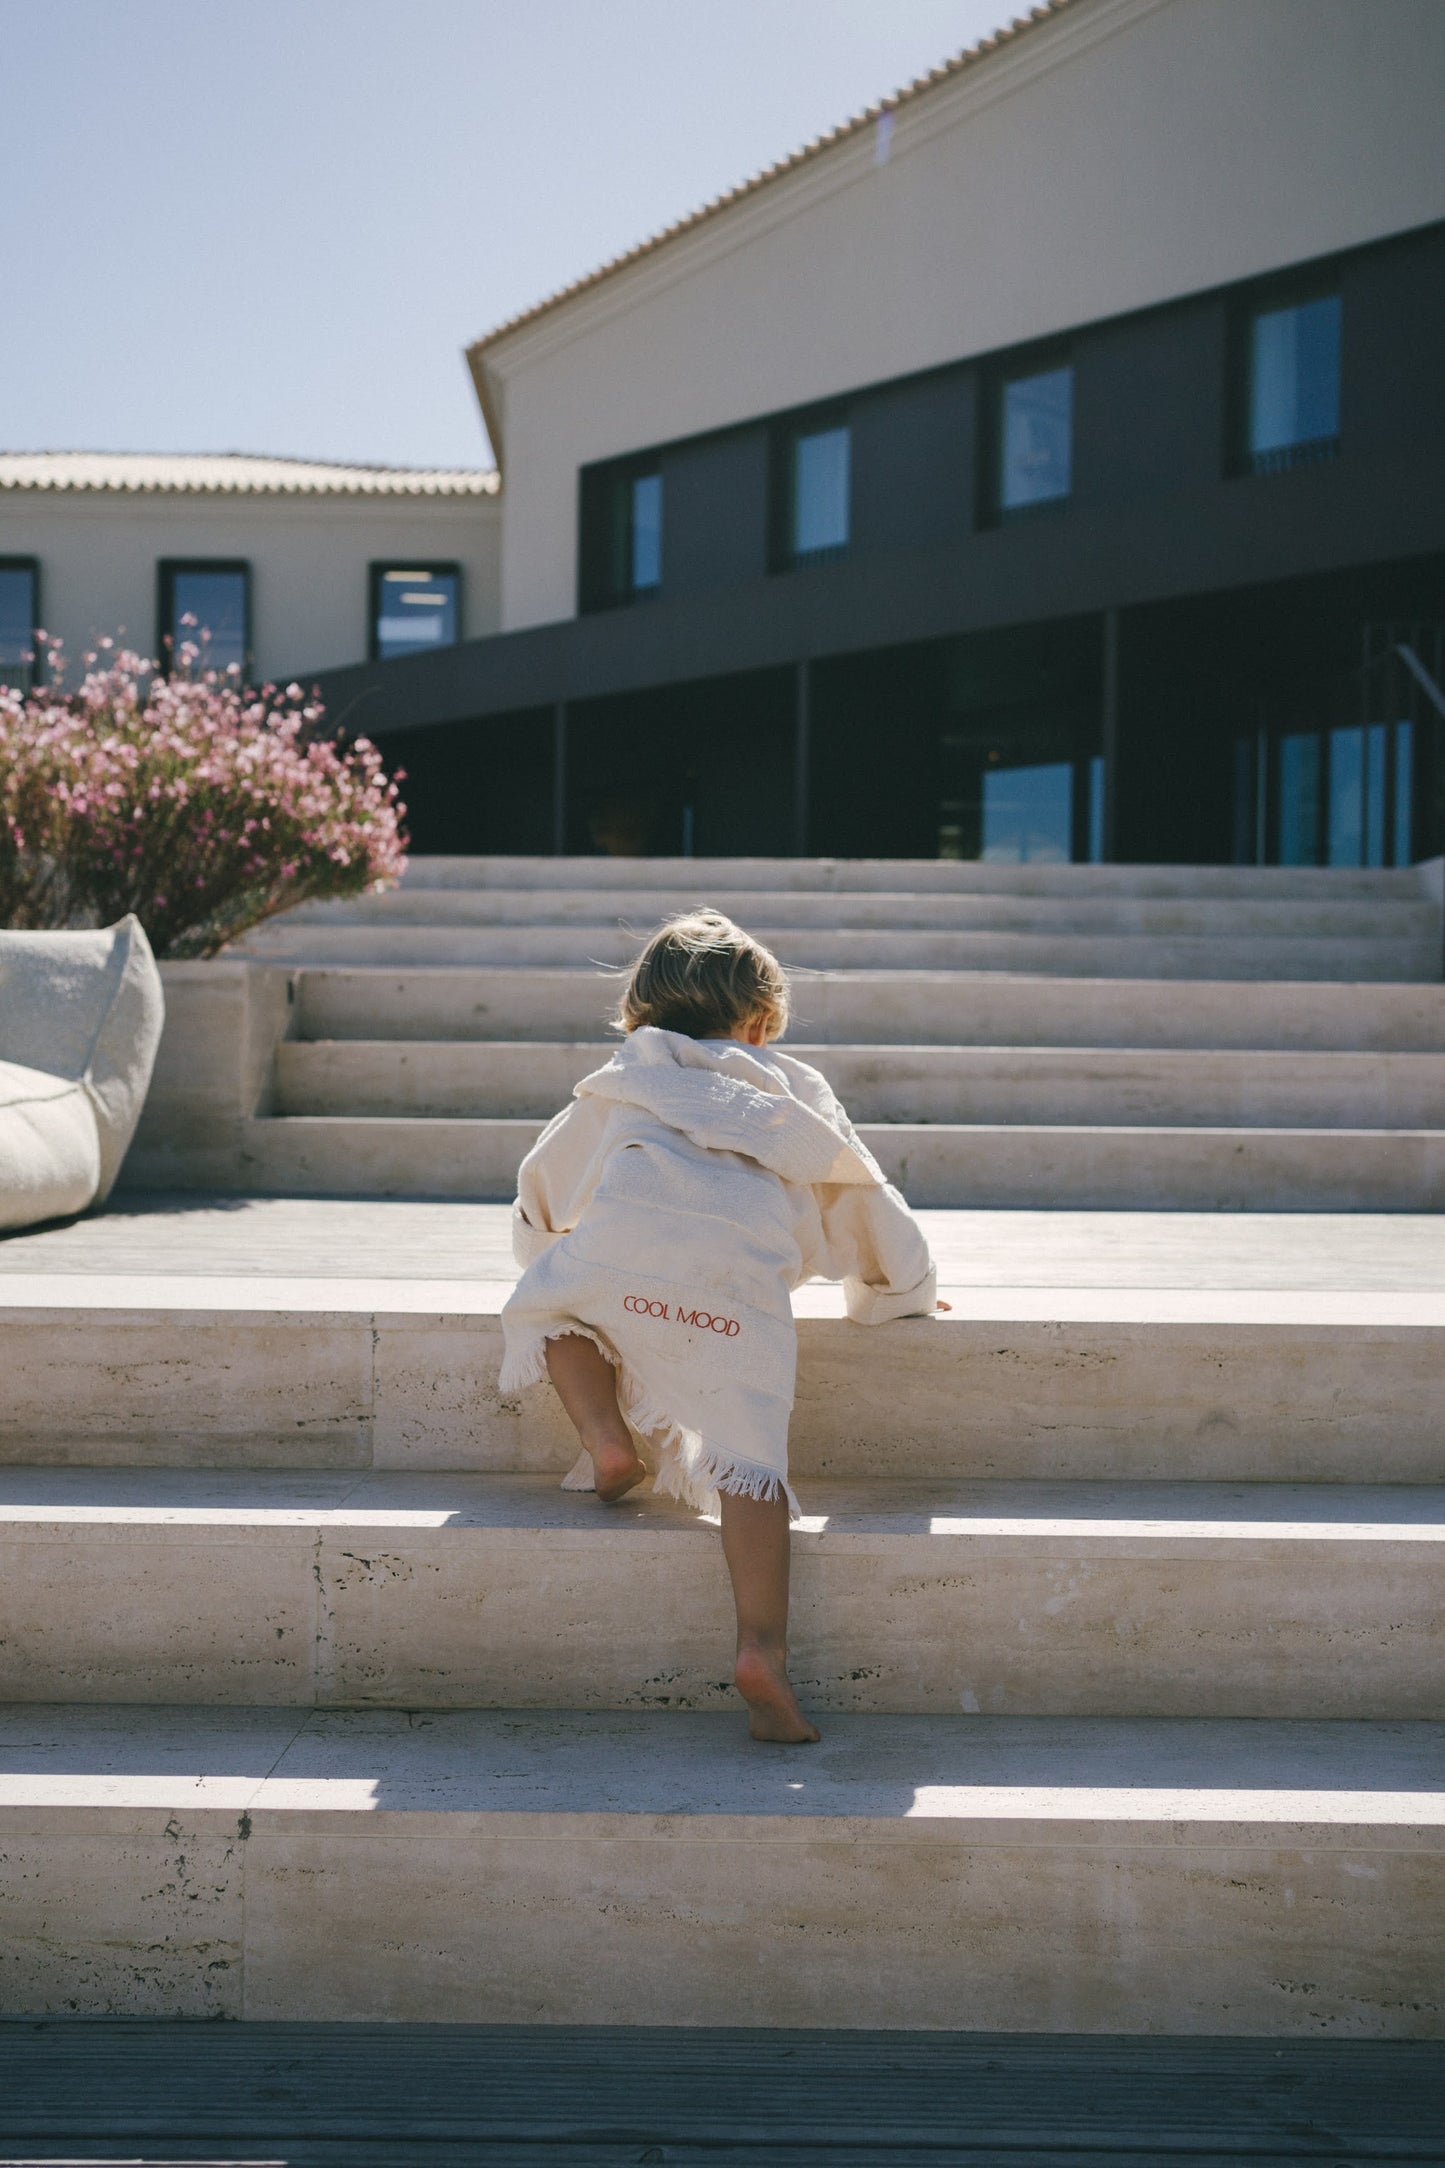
x=49, y=1146
x=80, y=1021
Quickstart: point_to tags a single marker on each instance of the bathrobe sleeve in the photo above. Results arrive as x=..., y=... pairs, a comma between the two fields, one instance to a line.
x=557, y=1178
x=876, y=1248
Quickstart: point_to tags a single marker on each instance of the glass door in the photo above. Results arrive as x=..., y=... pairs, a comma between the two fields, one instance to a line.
x=1350, y=792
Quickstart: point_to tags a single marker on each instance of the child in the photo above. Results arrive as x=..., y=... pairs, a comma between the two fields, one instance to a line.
x=661, y=1221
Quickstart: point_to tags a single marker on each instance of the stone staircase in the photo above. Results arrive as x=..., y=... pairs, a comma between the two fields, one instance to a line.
x=1118, y=1604
x=1119, y=1609
x=1080, y=1036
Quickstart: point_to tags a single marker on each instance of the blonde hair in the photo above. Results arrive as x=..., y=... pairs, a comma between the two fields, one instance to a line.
x=704, y=977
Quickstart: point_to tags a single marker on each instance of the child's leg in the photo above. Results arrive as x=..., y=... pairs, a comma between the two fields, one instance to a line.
x=587, y=1387
x=756, y=1545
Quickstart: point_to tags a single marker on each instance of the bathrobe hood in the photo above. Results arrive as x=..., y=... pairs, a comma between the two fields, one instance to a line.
x=725, y=1100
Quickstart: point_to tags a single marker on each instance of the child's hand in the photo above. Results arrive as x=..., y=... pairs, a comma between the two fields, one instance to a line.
x=944, y=1305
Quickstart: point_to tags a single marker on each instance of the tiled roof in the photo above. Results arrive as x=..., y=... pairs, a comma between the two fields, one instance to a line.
x=235, y=474
x=984, y=50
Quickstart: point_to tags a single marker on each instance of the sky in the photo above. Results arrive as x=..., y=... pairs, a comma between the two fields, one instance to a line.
x=273, y=225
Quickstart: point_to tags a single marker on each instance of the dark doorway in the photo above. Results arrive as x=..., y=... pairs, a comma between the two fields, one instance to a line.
x=698, y=770
x=987, y=746
x=478, y=787
x=1243, y=730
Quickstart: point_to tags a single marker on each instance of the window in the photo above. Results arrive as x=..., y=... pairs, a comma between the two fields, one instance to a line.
x=1299, y=799
x=643, y=560
x=1293, y=391
x=1036, y=439
x=1021, y=784
x=634, y=534
x=19, y=610
x=1028, y=814
x=414, y=608
x=1336, y=797
x=621, y=533
x=210, y=595
x=818, y=480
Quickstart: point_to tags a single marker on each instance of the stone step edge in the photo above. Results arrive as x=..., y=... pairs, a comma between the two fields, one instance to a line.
x=889, y=1130
x=223, y=1300
x=670, y=867
x=657, y=1758
x=157, y=1504
x=272, y=943
x=814, y=1051
x=885, y=975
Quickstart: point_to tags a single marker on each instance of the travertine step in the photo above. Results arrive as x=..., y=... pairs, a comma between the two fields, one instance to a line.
x=1404, y=916
x=928, y=876
x=1088, y=1166
x=1110, y=1085
x=911, y=1008
x=1389, y=957
x=1045, y=1383
x=1029, y=1874
x=457, y=1591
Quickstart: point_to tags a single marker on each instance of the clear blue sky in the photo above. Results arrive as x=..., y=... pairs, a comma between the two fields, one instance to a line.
x=272, y=225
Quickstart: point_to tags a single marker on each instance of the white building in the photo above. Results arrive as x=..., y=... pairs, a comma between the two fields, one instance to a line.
x=293, y=565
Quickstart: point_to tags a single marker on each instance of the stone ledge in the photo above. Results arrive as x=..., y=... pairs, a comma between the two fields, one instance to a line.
x=1318, y=1387
x=1032, y=1875
x=464, y=1591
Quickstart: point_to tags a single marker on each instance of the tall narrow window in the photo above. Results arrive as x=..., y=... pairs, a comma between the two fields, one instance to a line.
x=19, y=609
x=1299, y=799
x=211, y=596
x=1036, y=439
x=818, y=523
x=1096, y=809
x=644, y=554
x=414, y=608
x=1294, y=385
x=620, y=532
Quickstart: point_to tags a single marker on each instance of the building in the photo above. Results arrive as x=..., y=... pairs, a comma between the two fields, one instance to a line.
x=292, y=566
x=1048, y=463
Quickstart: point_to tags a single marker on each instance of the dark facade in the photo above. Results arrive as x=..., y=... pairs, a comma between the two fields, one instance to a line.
x=1135, y=620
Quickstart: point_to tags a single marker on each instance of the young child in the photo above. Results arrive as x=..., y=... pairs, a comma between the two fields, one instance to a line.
x=662, y=1220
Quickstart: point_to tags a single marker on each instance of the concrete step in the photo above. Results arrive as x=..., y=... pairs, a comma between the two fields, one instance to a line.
x=722, y=877
x=1391, y=959
x=915, y=1008
x=636, y=911
x=1014, y=1873
x=1111, y=1085
x=464, y=1591
x=1081, y=1167
x=1022, y=1383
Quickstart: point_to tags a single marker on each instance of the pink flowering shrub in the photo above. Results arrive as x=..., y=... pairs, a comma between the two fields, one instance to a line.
x=201, y=806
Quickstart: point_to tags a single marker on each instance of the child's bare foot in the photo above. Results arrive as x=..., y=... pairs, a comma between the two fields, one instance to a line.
x=772, y=1705
x=617, y=1468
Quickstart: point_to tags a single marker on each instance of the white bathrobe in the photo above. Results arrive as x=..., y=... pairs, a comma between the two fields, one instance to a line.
x=668, y=1212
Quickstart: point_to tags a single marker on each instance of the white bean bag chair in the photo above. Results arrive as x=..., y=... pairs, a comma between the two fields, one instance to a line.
x=80, y=1021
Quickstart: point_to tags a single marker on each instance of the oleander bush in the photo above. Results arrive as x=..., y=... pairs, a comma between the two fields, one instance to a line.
x=202, y=805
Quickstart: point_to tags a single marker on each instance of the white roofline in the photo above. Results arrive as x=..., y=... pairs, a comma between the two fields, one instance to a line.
x=233, y=474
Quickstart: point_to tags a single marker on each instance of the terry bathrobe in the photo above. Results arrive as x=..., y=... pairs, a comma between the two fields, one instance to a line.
x=667, y=1213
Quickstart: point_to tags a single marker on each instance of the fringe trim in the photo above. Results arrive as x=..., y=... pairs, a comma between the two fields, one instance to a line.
x=697, y=1478
x=527, y=1365
x=686, y=1469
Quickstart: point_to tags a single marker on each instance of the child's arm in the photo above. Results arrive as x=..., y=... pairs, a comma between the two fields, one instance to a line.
x=876, y=1248
x=556, y=1178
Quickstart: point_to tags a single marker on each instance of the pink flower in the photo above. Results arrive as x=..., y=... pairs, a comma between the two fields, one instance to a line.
x=201, y=803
